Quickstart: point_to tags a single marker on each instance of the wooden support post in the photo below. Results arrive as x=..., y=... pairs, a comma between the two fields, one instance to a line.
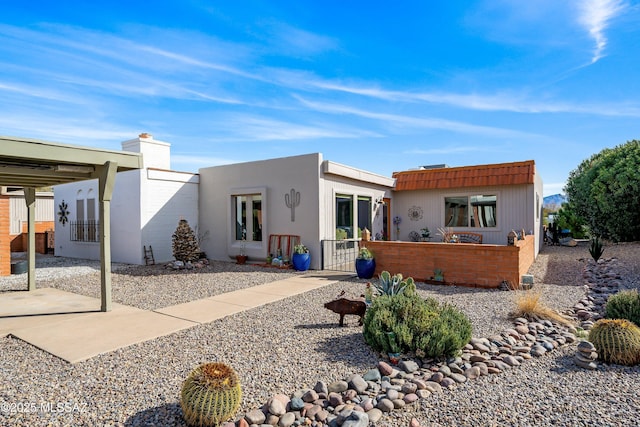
x=106, y=182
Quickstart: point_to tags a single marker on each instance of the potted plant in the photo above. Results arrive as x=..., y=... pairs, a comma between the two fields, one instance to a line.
x=301, y=257
x=365, y=263
x=425, y=233
x=241, y=258
x=438, y=275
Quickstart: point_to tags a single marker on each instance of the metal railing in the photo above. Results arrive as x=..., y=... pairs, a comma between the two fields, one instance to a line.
x=340, y=255
x=85, y=231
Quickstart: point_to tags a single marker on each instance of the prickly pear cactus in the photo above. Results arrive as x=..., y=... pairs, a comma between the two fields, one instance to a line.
x=617, y=341
x=211, y=394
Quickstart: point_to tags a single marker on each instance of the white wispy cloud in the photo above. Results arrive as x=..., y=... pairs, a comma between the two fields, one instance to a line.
x=242, y=127
x=595, y=16
x=413, y=122
x=504, y=101
x=286, y=39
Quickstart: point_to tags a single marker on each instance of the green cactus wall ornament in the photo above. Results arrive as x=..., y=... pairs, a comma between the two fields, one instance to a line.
x=292, y=200
x=211, y=394
x=617, y=341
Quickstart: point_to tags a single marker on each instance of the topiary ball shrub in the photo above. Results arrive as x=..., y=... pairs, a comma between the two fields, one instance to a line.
x=415, y=324
x=617, y=341
x=211, y=394
x=624, y=305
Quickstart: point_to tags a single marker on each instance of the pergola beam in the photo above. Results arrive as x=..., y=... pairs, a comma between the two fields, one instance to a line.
x=32, y=164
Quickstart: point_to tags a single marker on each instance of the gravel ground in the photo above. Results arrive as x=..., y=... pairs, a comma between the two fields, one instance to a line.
x=292, y=343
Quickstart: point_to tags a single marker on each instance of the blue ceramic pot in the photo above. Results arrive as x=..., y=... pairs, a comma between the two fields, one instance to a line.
x=301, y=261
x=365, y=268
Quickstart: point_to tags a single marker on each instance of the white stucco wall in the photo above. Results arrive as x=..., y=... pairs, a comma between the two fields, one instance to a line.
x=273, y=179
x=145, y=208
x=166, y=198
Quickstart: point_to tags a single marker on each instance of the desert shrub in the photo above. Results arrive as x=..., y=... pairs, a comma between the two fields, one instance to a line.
x=617, y=341
x=394, y=285
x=415, y=324
x=529, y=306
x=624, y=305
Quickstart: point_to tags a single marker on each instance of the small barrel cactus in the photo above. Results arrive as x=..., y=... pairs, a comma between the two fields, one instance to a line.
x=617, y=341
x=211, y=394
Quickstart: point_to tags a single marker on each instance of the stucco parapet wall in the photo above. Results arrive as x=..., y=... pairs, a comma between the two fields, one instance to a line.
x=329, y=167
x=175, y=176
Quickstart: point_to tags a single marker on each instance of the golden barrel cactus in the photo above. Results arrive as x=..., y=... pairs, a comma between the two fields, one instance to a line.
x=211, y=394
x=617, y=341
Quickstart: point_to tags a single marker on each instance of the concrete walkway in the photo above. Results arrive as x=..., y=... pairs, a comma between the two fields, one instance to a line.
x=70, y=326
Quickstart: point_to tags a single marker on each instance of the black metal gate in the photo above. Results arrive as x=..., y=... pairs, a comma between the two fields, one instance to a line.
x=340, y=255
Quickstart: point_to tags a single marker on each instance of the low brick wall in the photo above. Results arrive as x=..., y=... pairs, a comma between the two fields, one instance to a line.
x=20, y=242
x=462, y=263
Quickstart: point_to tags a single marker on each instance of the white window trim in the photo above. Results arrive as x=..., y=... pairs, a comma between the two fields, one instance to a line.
x=354, y=200
x=468, y=194
x=251, y=247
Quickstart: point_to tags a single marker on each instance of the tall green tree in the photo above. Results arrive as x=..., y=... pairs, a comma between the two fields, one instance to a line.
x=604, y=192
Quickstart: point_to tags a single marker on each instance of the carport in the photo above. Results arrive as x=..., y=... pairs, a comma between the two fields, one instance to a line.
x=33, y=164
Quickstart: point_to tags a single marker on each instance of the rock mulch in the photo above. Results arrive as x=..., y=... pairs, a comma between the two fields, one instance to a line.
x=362, y=400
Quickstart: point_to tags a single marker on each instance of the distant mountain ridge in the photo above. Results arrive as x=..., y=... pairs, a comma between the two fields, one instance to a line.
x=554, y=201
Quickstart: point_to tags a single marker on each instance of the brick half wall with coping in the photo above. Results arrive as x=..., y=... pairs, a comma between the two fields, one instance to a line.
x=465, y=264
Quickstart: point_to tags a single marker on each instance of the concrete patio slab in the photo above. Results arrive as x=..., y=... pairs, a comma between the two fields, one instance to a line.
x=202, y=310
x=84, y=336
x=247, y=298
x=22, y=309
x=71, y=326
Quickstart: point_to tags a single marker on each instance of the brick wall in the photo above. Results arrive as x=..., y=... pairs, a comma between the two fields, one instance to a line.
x=5, y=238
x=462, y=264
x=19, y=242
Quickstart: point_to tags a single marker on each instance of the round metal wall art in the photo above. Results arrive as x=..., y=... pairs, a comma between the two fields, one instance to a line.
x=415, y=213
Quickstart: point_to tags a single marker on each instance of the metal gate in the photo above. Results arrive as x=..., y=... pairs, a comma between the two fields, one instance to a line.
x=340, y=255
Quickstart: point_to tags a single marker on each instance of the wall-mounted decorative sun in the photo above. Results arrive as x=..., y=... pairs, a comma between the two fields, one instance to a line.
x=415, y=213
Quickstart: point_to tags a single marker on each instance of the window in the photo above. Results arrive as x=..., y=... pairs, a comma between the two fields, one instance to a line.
x=364, y=213
x=248, y=217
x=470, y=211
x=85, y=227
x=344, y=216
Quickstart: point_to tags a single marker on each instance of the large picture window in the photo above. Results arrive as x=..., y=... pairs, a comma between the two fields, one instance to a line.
x=248, y=217
x=477, y=211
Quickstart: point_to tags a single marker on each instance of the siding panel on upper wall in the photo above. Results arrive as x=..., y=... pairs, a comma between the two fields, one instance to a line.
x=513, y=211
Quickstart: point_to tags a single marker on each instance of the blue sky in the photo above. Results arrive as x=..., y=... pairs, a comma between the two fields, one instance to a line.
x=376, y=85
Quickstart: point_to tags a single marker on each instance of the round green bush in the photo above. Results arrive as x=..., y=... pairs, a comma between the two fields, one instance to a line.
x=624, y=305
x=408, y=323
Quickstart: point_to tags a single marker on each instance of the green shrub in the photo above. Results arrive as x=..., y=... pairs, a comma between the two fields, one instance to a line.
x=417, y=324
x=624, y=305
x=617, y=341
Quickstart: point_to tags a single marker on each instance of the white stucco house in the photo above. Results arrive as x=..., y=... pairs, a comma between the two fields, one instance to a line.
x=303, y=196
x=146, y=207
x=261, y=206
